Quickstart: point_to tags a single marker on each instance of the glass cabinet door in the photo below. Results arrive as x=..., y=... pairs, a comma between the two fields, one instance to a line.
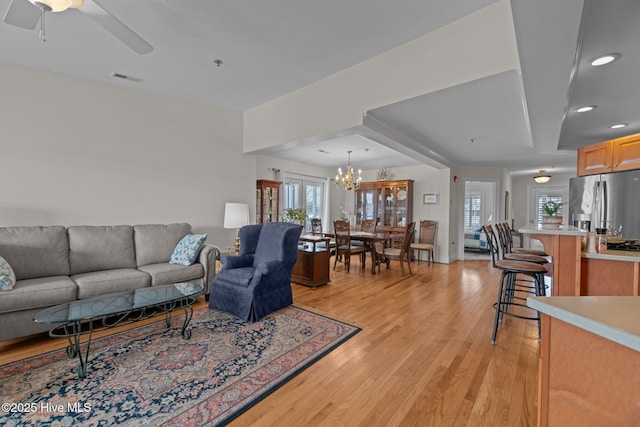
x=270, y=204
x=267, y=200
x=365, y=207
x=402, y=196
x=389, y=203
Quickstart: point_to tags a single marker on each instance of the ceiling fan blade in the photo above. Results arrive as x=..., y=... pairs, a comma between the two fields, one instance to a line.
x=95, y=10
x=22, y=14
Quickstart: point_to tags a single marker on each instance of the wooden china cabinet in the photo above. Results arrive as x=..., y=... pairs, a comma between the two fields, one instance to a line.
x=267, y=195
x=389, y=203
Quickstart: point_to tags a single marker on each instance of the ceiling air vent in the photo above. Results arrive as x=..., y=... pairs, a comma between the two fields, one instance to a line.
x=125, y=77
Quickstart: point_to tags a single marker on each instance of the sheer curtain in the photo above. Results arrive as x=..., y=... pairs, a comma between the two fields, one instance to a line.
x=326, y=216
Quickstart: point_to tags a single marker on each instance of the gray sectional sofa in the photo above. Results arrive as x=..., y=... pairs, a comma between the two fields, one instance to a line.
x=55, y=264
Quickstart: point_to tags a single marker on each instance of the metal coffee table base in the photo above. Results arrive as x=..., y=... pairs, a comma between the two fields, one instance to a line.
x=74, y=330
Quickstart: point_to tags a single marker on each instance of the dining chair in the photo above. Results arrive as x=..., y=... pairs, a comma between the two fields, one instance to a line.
x=316, y=230
x=403, y=253
x=368, y=226
x=426, y=239
x=316, y=226
x=342, y=232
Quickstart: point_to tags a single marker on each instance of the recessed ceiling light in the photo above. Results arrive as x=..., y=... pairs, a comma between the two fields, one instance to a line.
x=605, y=59
x=619, y=125
x=586, y=108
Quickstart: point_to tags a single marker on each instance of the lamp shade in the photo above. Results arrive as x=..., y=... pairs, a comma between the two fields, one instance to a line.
x=542, y=179
x=236, y=215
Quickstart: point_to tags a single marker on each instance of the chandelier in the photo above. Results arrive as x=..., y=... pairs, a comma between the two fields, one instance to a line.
x=347, y=181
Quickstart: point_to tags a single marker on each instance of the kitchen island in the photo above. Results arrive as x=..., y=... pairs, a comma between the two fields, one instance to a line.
x=589, y=360
x=564, y=245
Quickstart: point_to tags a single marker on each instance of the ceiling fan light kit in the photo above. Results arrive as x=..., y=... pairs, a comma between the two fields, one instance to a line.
x=57, y=5
x=23, y=14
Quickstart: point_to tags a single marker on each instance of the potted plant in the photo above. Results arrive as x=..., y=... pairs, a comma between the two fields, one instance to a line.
x=295, y=216
x=551, y=209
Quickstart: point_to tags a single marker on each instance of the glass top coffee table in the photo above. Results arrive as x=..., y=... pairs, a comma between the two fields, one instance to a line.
x=80, y=317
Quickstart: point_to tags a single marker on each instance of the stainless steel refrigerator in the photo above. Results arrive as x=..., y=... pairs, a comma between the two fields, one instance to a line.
x=607, y=201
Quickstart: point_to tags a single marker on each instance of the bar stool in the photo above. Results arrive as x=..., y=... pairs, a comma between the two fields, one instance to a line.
x=512, y=293
x=509, y=256
x=534, y=255
x=509, y=240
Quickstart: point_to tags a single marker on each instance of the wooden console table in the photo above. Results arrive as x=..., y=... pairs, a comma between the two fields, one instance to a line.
x=312, y=266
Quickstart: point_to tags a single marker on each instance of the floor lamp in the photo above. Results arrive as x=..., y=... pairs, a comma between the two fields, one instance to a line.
x=236, y=215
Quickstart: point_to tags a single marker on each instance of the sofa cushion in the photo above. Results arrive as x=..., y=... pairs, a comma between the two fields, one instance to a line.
x=7, y=276
x=105, y=282
x=40, y=292
x=97, y=248
x=187, y=249
x=166, y=273
x=155, y=242
x=35, y=251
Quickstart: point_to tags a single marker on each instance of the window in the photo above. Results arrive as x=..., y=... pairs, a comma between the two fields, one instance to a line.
x=304, y=192
x=472, y=210
x=544, y=198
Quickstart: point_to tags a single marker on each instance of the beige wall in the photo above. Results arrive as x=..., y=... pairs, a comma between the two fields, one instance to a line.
x=522, y=186
x=426, y=180
x=78, y=152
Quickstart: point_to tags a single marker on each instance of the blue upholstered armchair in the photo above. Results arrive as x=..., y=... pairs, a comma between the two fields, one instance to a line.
x=257, y=281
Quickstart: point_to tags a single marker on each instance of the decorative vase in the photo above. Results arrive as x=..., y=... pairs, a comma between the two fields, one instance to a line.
x=552, y=220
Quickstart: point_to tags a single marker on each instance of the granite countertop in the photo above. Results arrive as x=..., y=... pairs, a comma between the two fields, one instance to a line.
x=564, y=230
x=616, y=318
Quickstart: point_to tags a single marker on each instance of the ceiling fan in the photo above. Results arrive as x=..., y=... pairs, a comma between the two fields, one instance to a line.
x=26, y=13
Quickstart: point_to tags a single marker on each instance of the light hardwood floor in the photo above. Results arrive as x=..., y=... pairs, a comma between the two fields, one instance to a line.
x=423, y=357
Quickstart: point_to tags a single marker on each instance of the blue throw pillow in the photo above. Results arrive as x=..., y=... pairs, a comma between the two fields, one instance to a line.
x=7, y=276
x=187, y=249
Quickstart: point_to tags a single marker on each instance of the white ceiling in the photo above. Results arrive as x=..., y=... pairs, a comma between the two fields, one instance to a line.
x=517, y=119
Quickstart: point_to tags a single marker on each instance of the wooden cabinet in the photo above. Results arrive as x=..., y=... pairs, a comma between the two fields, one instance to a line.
x=389, y=203
x=267, y=194
x=312, y=266
x=594, y=159
x=610, y=156
x=585, y=379
x=605, y=277
x=626, y=153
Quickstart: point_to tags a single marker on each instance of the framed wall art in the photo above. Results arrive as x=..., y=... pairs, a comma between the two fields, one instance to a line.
x=430, y=198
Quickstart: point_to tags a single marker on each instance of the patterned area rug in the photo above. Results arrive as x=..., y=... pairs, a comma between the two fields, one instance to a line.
x=150, y=376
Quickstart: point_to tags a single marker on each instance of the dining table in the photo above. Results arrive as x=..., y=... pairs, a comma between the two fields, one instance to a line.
x=370, y=240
